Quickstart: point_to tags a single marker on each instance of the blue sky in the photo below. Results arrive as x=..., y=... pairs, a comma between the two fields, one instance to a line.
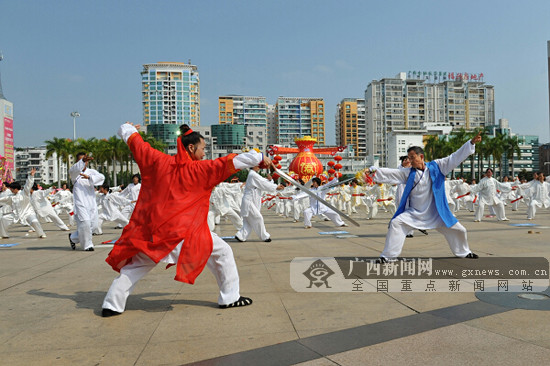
x=65, y=55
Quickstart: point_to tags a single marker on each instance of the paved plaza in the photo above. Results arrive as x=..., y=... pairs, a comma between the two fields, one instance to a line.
x=51, y=298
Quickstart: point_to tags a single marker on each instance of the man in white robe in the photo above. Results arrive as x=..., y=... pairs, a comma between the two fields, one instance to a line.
x=85, y=207
x=421, y=207
x=252, y=203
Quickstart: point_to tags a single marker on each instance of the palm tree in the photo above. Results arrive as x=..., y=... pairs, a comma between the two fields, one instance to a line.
x=458, y=138
x=511, y=146
x=59, y=147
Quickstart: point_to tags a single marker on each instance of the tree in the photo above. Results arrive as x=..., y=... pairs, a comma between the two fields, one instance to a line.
x=57, y=146
x=511, y=146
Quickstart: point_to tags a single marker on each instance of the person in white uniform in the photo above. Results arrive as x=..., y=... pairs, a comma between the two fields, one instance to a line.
x=539, y=193
x=487, y=195
x=316, y=208
x=43, y=207
x=85, y=207
x=423, y=203
x=6, y=212
x=21, y=205
x=252, y=203
x=108, y=205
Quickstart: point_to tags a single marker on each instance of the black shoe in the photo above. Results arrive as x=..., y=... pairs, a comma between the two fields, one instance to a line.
x=236, y=237
x=90, y=249
x=410, y=236
x=472, y=255
x=268, y=240
x=381, y=260
x=423, y=231
x=73, y=245
x=243, y=301
x=108, y=312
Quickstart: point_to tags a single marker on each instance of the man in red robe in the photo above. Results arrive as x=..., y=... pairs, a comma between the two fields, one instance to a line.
x=170, y=224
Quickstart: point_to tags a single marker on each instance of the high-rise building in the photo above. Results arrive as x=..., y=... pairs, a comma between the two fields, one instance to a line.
x=298, y=117
x=6, y=139
x=271, y=125
x=48, y=170
x=242, y=110
x=403, y=103
x=170, y=97
x=350, y=125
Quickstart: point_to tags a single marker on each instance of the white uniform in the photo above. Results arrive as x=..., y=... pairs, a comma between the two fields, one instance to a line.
x=22, y=207
x=317, y=208
x=43, y=208
x=7, y=218
x=421, y=212
x=487, y=191
x=131, y=193
x=85, y=206
x=63, y=203
x=108, y=209
x=538, y=193
x=251, y=204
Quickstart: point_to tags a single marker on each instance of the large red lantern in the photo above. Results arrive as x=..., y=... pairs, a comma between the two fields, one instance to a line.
x=306, y=163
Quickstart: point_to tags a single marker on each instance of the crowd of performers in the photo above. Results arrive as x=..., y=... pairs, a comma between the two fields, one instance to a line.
x=487, y=199
x=175, y=224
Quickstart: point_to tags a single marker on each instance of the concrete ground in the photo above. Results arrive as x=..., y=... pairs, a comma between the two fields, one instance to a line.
x=51, y=297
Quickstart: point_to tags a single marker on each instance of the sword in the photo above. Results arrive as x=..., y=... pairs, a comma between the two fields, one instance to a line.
x=309, y=193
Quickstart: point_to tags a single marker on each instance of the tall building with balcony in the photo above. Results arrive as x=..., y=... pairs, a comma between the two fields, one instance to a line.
x=403, y=103
x=298, y=117
x=350, y=125
x=170, y=98
x=243, y=110
x=49, y=171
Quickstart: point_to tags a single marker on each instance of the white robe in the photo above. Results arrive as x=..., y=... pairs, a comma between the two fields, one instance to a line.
x=421, y=212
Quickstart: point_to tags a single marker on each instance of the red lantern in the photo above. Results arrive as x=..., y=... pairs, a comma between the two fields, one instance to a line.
x=337, y=158
x=306, y=164
x=330, y=164
x=338, y=175
x=277, y=158
x=338, y=166
x=330, y=178
x=278, y=166
x=331, y=171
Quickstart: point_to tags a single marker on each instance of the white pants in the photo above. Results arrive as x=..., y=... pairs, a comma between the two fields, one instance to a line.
x=499, y=211
x=83, y=233
x=455, y=235
x=5, y=222
x=33, y=222
x=221, y=263
x=333, y=216
x=53, y=217
x=119, y=220
x=253, y=222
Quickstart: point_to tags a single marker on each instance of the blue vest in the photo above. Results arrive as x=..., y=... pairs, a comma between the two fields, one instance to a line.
x=438, y=188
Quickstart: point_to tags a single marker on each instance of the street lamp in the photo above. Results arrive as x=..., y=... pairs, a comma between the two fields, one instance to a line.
x=74, y=115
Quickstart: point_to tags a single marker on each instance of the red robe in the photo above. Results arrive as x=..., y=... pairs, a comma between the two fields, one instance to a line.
x=172, y=206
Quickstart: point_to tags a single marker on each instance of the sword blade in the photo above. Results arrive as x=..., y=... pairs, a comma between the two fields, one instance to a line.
x=311, y=194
